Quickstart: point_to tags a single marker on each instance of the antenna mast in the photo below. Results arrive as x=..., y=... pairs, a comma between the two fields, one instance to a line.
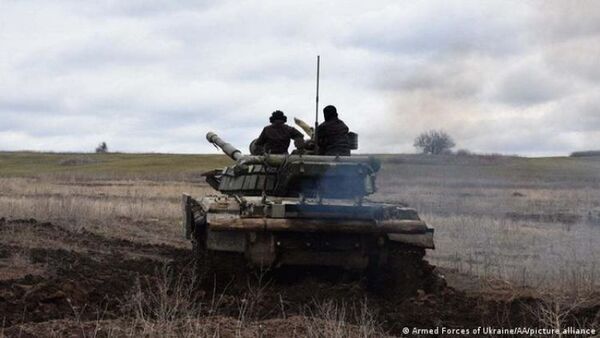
x=317, y=105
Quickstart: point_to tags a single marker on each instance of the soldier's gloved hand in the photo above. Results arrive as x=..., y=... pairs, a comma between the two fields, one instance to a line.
x=256, y=149
x=299, y=143
x=309, y=145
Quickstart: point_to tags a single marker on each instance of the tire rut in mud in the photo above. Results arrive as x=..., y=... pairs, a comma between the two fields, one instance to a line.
x=394, y=294
x=88, y=283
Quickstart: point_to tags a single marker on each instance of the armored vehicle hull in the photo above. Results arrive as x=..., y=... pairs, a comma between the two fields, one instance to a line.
x=282, y=231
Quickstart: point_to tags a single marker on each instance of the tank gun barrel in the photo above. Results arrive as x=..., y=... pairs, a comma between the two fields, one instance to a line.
x=227, y=148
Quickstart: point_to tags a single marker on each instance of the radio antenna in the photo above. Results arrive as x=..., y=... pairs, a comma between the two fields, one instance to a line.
x=317, y=103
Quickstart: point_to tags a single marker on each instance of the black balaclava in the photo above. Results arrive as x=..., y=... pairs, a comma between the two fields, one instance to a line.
x=330, y=113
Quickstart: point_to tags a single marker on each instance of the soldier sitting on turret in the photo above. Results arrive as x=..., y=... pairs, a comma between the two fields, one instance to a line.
x=275, y=138
x=332, y=135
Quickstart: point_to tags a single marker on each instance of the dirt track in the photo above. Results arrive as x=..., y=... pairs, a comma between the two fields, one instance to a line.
x=90, y=278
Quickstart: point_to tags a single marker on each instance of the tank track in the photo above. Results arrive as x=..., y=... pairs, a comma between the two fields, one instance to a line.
x=404, y=272
x=211, y=264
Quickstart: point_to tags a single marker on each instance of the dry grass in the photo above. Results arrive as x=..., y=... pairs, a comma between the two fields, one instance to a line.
x=542, y=256
x=143, y=211
x=506, y=221
x=553, y=313
x=92, y=201
x=331, y=319
x=170, y=305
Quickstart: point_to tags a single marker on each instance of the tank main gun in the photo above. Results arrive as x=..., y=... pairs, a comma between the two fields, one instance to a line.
x=227, y=148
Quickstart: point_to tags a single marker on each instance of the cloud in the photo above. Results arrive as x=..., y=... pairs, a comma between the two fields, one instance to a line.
x=530, y=83
x=580, y=113
x=504, y=76
x=431, y=28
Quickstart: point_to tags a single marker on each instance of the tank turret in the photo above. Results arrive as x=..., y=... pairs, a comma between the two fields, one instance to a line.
x=351, y=177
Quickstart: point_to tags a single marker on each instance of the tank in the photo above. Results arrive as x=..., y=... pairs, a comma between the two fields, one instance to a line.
x=306, y=210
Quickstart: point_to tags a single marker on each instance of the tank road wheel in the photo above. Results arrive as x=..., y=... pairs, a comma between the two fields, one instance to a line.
x=198, y=229
x=224, y=266
x=404, y=272
x=405, y=269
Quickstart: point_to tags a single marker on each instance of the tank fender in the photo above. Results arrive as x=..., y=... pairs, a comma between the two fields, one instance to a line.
x=423, y=240
x=194, y=214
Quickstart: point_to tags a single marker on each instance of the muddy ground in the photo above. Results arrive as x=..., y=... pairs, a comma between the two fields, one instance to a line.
x=85, y=287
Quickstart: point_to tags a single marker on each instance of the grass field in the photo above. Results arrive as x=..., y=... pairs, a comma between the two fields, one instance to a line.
x=505, y=227
x=488, y=170
x=107, y=166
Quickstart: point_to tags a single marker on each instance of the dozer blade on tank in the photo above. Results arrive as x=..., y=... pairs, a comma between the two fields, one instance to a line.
x=306, y=210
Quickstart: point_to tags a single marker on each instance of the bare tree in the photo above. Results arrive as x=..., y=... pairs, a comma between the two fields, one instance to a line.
x=102, y=148
x=434, y=142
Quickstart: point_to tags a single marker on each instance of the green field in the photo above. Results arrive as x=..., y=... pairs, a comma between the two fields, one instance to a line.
x=112, y=165
x=491, y=169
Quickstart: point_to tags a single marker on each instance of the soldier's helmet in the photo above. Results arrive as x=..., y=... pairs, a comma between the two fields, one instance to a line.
x=278, y=115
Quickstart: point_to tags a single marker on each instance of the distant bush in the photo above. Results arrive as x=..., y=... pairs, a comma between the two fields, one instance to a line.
x=102, y=148
x=434, y=142
x=588, y=153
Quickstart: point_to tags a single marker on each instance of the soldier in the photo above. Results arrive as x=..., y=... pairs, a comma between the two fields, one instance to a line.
x=332, y=135
x=275, y=138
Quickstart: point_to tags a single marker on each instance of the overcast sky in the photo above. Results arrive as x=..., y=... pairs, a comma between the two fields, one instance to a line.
x=516, y=77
